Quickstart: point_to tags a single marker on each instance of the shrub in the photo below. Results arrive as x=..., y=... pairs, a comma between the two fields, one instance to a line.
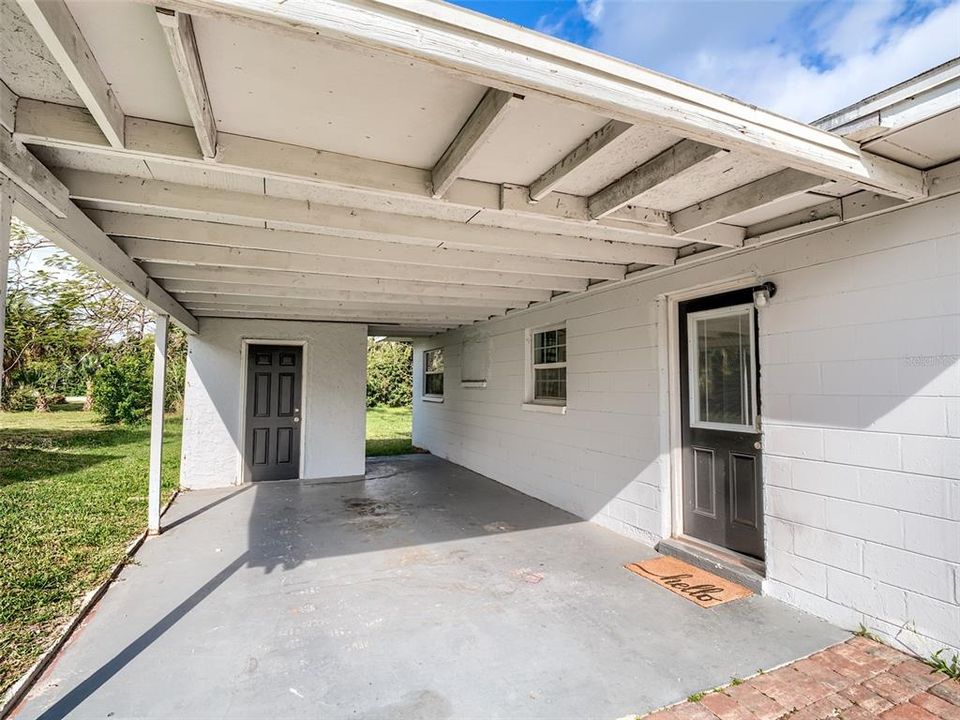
x=389, y=374
x=122, y=387
x=22, y=398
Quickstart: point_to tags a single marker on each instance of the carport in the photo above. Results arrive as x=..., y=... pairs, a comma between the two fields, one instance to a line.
x=426, y=591
x=283, y=180
x=402, y=169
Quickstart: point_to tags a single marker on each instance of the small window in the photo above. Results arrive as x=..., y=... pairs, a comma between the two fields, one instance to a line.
x=433, y=373
x=549, y=366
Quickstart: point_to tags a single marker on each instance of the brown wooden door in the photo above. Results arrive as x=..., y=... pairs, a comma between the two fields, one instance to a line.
x=721, y=454
x=272, y=442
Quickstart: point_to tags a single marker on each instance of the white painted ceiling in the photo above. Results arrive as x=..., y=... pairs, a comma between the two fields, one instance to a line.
x=127, y=41
x=924, y=145
x=26, y=66
x=312, y=93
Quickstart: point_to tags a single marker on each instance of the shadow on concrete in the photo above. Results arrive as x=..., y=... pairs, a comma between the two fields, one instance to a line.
x=199, y=511
x=403, y=502
x=69, y=702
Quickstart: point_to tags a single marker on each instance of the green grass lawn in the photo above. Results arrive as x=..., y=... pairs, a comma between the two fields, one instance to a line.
x=389, y=431
x=73, y=494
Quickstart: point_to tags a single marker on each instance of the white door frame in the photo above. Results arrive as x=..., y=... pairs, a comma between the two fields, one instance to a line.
x=670, y=399
x=245, y=344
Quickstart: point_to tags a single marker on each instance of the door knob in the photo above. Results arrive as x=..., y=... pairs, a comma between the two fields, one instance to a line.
x=757, y=445
x=296, y=419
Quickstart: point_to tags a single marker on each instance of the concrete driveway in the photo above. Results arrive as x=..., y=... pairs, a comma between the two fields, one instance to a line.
x=426, y=591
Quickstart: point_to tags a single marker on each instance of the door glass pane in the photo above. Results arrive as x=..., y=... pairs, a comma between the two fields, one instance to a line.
x=723, y=368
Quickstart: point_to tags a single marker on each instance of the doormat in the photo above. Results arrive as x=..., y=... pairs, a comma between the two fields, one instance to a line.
x=689, y=581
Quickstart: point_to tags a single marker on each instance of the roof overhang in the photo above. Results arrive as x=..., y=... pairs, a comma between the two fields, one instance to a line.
x=406, y=165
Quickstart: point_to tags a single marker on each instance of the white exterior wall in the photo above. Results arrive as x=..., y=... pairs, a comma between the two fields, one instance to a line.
x=334, y=398
x=860, y=390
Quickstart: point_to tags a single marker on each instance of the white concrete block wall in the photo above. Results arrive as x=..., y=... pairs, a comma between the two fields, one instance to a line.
x=860, y=387
x=334, y=394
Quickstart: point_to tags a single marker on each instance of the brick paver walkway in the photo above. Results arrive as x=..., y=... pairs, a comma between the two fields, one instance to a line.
x=857, y=680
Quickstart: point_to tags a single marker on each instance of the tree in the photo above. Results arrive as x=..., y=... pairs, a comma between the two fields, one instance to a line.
x=389, y=373
x=66, y=324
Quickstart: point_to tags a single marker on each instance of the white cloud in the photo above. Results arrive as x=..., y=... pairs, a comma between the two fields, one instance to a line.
x=591, y=10
x=800, y=59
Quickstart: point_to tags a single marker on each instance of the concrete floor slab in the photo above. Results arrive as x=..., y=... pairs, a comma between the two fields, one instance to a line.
x=426, y=591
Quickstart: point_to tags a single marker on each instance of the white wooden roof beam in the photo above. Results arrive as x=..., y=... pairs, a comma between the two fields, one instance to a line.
x=178, y=30
x=305, y=281
x=159, y=228
x=128, y=194
x=398, y=332
x=195, y=288
x=59, y=31
x=760, y=193
x=668, y=165
x=434, y=320
x=504, y=205
x=499, y=55
x=32, y=176
x=8, y=108
x=583, y=153
x=372, y=308
x=190, y=253
x=478, y=128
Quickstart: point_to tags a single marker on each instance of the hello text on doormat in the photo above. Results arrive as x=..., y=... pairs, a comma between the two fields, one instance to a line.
x=699, y=586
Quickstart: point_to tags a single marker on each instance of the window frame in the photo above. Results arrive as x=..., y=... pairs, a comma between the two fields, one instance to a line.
x=433, y=397
x=693, y=358
x=530, y=398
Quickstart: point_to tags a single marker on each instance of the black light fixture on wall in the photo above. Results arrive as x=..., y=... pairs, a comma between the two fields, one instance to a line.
x=763, y=293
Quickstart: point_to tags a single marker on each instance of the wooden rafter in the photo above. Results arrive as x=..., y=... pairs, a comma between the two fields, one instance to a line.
x=759, y=193
x=59, y=31
x=8, y=108
x=158, y=228
x=502, y=206
x=163, y=251
x=23, y=168
x=134, y=195
x=668, y=165
x=192, y=288
x=178, y=30
x=478, y=128
x=580, y=155
x=414, y=319
x=499, y=55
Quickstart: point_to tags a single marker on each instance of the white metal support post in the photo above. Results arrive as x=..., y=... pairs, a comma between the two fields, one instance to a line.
x=6, y=215
x=156, y=423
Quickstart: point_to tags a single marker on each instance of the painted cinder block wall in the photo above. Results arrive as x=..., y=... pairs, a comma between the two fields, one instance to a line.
x=860, y=386
x=334, y=393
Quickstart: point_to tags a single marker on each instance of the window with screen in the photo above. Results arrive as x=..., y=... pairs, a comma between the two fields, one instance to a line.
x=548, y=379
x=433, y=373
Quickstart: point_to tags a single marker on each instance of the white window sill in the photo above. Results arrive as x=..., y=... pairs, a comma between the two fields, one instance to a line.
x=538, y=407
x=432, y=398
x=473, y=383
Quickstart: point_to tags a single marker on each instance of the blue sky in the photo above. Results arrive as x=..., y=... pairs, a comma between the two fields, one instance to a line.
x=802, y=58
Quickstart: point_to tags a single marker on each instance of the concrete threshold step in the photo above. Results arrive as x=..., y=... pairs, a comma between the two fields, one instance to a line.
x=746, y=572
